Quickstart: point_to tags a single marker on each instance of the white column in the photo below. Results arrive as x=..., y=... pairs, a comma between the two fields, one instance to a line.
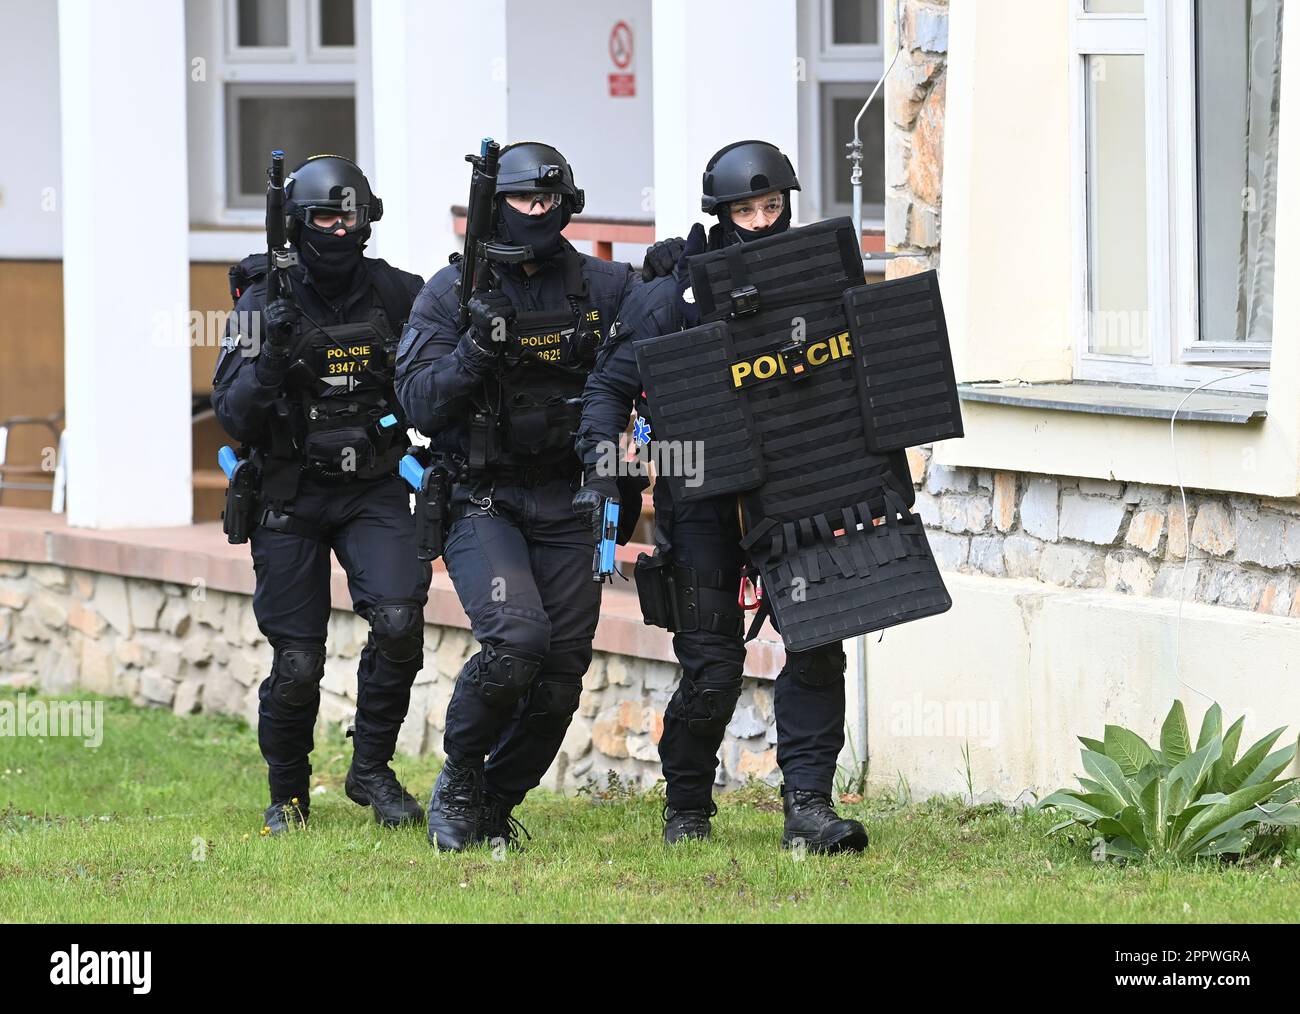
x=722, y=73
x=125, y=262
x=439, y=87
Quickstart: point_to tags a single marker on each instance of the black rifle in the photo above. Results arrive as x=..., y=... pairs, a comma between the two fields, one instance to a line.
x=480, y=226
x=279, y=256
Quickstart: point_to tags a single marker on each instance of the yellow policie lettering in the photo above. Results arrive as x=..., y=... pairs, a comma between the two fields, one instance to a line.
x=355, y=352
x=540, y=341
x=754, y=371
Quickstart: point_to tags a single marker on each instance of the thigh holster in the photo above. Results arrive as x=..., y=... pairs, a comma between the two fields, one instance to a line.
x=683, y=600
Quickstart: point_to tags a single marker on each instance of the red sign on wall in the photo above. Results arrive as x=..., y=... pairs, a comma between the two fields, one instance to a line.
x=621, y=52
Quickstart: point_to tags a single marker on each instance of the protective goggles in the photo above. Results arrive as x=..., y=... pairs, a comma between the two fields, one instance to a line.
x=528, y=203
x=330, y=220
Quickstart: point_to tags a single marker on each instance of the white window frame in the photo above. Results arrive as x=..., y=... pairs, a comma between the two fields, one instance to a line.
x=317, y=53
x=301, y=63
x=830, y=63
x=829, y=49
x=1163, y=35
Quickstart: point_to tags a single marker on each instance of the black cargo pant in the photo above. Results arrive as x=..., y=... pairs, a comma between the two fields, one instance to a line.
x=368, y=525
x=522, y=571
x=809, y=692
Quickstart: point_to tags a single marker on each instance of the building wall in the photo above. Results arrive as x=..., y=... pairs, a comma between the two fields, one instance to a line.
x=192, y=648
x=31, y=221
x=915, y=96
x=1066, y=584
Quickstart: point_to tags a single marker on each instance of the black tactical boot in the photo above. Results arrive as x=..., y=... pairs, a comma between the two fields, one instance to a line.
x=499, y=826
x=376, y=786
x=456, y=808
x=810, y=818
x=680, y=825
x=286, y=815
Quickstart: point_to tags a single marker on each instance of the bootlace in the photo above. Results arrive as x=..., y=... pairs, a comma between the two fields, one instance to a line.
x=816, y=803
x=502, y=824
x=458, y=795
x=385, y=785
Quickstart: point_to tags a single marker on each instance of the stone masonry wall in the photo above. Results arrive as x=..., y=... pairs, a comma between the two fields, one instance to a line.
x=915, y=97
x=1123, y=537
x=191, y=650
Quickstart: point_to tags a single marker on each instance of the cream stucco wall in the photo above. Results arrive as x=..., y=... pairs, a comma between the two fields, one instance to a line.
x=1018, y=669
x=1008, y=276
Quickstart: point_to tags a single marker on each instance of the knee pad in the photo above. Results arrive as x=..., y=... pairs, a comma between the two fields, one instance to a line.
x=298, y=670
x=821, y=667
x=398, y=628
x=707, y=710
x=503, y=675
x=551, y=705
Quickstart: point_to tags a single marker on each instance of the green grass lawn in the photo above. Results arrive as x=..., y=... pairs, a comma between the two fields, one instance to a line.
x=161, y=823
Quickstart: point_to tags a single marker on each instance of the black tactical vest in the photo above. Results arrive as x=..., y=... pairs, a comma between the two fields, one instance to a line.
x=342, y=388
x=527, y=412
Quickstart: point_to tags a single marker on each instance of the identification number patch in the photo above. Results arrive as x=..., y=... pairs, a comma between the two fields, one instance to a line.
x=346, y=361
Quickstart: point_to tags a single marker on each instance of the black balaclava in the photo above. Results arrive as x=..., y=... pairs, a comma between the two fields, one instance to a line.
x=729, y=232
x=541, y=232
x=332, y=261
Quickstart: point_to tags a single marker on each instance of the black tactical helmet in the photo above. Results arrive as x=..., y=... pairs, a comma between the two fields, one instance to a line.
x=530, y=167
x=330, y=183
x=745, y=169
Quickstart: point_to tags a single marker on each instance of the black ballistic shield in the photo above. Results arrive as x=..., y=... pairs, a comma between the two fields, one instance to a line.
x=792, y=415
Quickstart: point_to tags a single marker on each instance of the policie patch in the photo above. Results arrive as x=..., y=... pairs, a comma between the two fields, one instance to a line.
x=346, y=362
x=794, y=360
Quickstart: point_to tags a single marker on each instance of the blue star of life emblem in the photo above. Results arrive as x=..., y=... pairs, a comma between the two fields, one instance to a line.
x=641, y=432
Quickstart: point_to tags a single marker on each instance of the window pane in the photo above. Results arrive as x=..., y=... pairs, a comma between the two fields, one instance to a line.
x=337, y=25
x=264, y=22
x=840, y=104
x=1117, y=206
x=1238, y=76
x=301, y=121
x=1113, y=6
x=854, y=22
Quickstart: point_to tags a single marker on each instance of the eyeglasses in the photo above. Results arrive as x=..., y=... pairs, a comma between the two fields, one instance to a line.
x=528, y=203
x=748, y=210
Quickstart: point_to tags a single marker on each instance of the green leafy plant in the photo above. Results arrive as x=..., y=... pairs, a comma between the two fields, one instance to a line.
x=1183, y=800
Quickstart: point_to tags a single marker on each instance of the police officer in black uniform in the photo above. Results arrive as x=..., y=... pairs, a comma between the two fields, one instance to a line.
x=501, y=400
x=747, y=185
x=312, y=400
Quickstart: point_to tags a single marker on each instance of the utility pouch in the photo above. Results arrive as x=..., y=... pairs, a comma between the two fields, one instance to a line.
x=484, y=440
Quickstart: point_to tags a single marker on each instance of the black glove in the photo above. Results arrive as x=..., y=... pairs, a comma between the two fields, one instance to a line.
x=280, y=321
x=662, y=258
x=696, y=243
x=589, y=502
x=491, y=313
